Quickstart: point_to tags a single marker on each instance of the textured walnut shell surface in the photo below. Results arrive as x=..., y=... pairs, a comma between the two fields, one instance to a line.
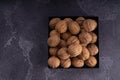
x=53, y=22
x=84, y=54
x=93, y=49
x=54, y=32
x=53, y=41
x=68, y=20
x=62, y=43
x=74, y=27
x=53, y=62
x=85, y=38
x=72, y=40
x=76, y=62
x=80, y=20
x=74, y=50
x=89, y=25
x=62, y=53
x=53, y=51
x=61, y=26
x=91, y=62
x=66, y=63
x=94, y=37
x=66, y=35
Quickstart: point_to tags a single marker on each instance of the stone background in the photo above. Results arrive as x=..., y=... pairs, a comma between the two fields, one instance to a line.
x=24, y=32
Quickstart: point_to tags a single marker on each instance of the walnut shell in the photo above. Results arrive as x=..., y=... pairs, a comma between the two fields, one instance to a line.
x=62, y=53
x=53, y=22
x=54, y=32
x=62, y=43
x=66, y=35
x=73, y=40
x=53, y=51
x=61, y=26
x=93, y=49
x=53, y=41
x=68, y=20
x=84, y=54
x=89, y=25
x=74, y=50
x=85, y=38
x=91, y=62
x=80, y=20
x=66, y=63
x=53, y=62
x=94, y=37
x=76, y=62
x=74, y=27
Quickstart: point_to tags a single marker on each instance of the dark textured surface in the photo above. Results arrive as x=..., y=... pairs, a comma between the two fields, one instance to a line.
x=24, y=32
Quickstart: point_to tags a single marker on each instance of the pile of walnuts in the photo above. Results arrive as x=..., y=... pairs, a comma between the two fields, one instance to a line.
x=72, y=43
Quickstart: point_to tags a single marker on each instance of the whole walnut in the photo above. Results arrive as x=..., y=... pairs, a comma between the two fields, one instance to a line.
x=54, y=32
x=53, y=41
x=76, y=62
x=84, y=54
x=89, y=25
x=66, y=35
x=93, y=49
x=91, y=62
x=73, y=40
x=62, y=53
x=62, y=43
x=74, y=50
x=53, y=22
x=53, y=62
x=94, y=37
x=74, y=27
x=65, y=63
x=80, y=20
x=85, y=38
x=68, y=20
x=53, y=51
x=61, y=26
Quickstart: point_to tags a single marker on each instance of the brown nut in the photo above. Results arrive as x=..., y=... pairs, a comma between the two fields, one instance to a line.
x=53, y=62
x=89, y=25
x=68, y=20
x=54, y=32
x=73, y=40
x=76, y=62
x=53, y=41
x=53, y=22
x=66, y=35
x=66, y=63
x=91, y=62
x=62, y=53
x=74, y=27
x=61, y=26
x=62, y=43
x=93, y=49
x=85, y=38
x=84, y=54
x=53, y=51
x=80, y=20
x=74, y=50
x=94, y=37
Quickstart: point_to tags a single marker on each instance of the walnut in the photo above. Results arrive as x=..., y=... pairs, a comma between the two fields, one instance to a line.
x=84, y=54
x=61, y=26
x=76, y=62
x=72, y=40
x=93, y=49
x=62, y=43
x=89, y=25
x=68, y=20
x=62, y=53
x=91, y=62
x=66, y=35
x=85, y=38
x=53, y=62
x=74, y=50
x=53, y=51
x=74, y=27
x=54, y=32
x=65, y=63
x=94, y=37
x=53, y=22
x=80, y=20
x=53, y=41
